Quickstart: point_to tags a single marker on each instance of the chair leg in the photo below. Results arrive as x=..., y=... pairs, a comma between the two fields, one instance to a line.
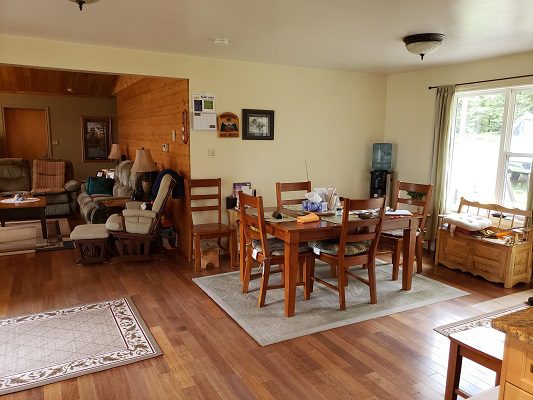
x=332, y=271
x=306, y=277
x=372, y=282
x=311, y=273
x=264, y=283
x=248, y=264
x=197, y=253
x=189, y=253
x=418, y=252
x=233, y=249
x=341, y=279
x=396, y=260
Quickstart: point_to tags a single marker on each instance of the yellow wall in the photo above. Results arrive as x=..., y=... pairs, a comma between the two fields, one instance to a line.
x=329, y=118
x=410, y=107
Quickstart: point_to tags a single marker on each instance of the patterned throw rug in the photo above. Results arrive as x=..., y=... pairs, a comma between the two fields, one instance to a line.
x=47, y=347
x=268, y=324
x=479, y=320
x=20, y=237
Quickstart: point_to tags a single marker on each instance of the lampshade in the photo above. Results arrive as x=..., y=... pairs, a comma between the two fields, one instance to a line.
x=115, y=152
x=423, y=43
x=143, y=161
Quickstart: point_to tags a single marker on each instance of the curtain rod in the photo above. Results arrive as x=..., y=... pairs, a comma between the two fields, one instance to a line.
x=487, y=80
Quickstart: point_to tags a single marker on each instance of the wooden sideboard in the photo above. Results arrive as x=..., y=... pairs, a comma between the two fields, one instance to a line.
x=495, y=260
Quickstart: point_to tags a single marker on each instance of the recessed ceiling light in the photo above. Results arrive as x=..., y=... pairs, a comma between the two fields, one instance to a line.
x=221, y=41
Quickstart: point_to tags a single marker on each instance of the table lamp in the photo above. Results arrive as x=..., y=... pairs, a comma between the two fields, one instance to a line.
x=144, y=163
x=115, y=153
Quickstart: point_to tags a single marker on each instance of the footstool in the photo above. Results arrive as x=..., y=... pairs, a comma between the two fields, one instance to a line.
x=91, y=242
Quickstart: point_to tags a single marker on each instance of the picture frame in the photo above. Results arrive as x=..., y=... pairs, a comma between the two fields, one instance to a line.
x=257, y=124
x=228, y=125
x=95, y=138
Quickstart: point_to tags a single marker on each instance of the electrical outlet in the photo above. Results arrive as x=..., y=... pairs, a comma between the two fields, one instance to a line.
x=173, y=135
x=55, y=141
x=165, y=147
x=211, y=153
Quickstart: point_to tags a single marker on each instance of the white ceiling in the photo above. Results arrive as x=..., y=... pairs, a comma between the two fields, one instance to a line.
x=357, y=35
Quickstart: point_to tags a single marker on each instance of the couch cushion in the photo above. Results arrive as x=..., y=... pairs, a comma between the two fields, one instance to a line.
x=96, y=185
x=48, y=176
x=57, y=198
x=94, y=231
x=114, y=223
x=276, y=246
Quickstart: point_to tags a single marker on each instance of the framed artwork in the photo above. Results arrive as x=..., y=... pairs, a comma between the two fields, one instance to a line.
x=95, y=138
x=228, y=125
x=257, y=124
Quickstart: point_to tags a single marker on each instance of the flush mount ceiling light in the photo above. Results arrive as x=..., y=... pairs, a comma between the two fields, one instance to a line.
x=423, y=43
x=81, y=3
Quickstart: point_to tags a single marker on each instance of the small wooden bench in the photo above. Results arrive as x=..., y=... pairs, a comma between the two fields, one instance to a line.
x=210, y=254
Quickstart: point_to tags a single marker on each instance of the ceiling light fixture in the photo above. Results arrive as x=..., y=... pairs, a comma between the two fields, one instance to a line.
x=221, y=41
x=423, y=43
x=81, y=3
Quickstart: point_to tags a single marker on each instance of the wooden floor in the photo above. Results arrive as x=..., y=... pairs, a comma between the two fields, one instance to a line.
x=208, y=356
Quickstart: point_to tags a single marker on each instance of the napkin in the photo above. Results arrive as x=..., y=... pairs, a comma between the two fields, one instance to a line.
x=313, y=197
x=312, y=217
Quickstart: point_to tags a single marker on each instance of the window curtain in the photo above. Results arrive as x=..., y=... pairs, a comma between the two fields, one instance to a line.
x=441, y=148
x=529, y=205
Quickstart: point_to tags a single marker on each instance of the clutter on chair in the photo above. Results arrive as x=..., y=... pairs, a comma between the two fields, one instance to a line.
x=135, y=228
x=262, y=250
x=413, y=195
x=93, y=197
x=210, y=192
x=291, y=187
x=356, y=246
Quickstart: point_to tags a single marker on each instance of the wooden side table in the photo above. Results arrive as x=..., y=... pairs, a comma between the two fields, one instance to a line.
x=481, y=345
x=114, y=206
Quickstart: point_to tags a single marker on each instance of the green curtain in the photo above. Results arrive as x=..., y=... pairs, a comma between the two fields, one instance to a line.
x=441, y=147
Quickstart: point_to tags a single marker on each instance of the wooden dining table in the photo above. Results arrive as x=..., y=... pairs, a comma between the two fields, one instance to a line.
x=293, y=233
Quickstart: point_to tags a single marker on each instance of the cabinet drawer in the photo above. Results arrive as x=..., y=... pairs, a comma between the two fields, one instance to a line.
x=486, y=265
x=514, y=393
x=520, y=365
x=493, y=252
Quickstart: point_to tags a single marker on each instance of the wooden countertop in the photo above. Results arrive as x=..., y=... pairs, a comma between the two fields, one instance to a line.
x=518, y=325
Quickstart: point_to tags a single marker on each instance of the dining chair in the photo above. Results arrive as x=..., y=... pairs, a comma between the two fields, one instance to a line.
x=209, y=190
x=408, y=195
x=356, y=245
x=263, y=250
x=291, y=187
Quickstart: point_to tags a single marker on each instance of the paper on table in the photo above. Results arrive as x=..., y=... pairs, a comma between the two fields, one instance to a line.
x=398, y=212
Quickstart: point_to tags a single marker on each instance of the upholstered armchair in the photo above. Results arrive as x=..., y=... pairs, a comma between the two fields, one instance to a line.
x=135, y=228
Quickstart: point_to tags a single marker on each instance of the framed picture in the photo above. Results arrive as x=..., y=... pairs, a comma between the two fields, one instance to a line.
x=258, y=124
x=228, y=125
x=95, y=138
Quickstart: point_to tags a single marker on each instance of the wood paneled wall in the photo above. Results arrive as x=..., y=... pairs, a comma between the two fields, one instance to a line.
x=148, y=109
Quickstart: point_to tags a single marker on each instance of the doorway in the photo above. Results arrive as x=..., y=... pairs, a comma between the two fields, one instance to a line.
x=27, y=133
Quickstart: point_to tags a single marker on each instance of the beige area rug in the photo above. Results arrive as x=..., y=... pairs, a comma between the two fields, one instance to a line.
x=269, y=325
x=19, y=237
x=47, y=347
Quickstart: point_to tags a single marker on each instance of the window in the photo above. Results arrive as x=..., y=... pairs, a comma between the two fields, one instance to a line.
x=491, y=147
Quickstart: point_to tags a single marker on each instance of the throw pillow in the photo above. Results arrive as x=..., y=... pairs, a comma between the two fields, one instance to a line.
x=97, y=185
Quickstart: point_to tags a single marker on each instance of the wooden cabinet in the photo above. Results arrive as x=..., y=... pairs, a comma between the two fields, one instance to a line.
x=494, y=260
x=517, y=371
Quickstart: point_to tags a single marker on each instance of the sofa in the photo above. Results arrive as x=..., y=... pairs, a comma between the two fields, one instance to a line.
x=92, y=206
x=18, y=175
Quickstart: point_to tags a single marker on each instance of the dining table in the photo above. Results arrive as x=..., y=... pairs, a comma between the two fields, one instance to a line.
x=293, y=233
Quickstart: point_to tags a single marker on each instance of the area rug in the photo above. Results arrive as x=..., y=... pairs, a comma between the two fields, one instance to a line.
x=51, y=346
x=19, y=237
x=479, y=320
x=269, y=325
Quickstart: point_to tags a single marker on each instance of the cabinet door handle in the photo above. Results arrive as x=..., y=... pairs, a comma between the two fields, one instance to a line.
x=531, y=368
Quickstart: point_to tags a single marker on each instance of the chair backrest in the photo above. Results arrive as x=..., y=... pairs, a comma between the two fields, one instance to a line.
x=413, y=194
x=211, y=193
x=164, y=192
x=48, y=174
x=252, y=219
x=291, y=187
x=360, y=230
